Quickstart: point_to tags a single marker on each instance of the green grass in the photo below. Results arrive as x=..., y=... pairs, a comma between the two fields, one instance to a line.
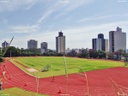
x=18, y=92
x=57, y=65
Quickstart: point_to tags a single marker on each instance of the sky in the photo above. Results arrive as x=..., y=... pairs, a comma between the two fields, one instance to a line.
x=79, y=20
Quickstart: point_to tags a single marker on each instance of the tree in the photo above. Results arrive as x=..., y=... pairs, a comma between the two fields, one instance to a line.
x=109, y=55
x=11, y=52
x=52, y=53
x=83, y=53
x=93, y=53
x=101, y=54
x=119, y=53
x=72, y=53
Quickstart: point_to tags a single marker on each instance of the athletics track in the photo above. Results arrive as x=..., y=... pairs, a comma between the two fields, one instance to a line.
x=107, y=82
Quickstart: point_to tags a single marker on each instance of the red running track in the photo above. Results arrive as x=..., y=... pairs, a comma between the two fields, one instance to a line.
x=107, y=82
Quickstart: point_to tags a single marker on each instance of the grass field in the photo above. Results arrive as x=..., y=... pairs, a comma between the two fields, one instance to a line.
x=57, y=65
x=18, y=92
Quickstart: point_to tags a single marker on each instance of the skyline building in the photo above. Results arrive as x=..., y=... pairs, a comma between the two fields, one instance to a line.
x=106, y=45
x=32, y=44
x=117, y=40
x=5, y=44
x=60, y=43
x=44, y=47
x=100, y=43
x=101, y=37
x=96, y=44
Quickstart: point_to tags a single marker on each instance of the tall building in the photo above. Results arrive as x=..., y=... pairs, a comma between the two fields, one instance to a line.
x=96, y=44
x=60, y=43
x=5, y=44
x=44, y=47
x=106, y=45
x=117, y=40
x=101, y=37
x=32, y=44
x=99, y=43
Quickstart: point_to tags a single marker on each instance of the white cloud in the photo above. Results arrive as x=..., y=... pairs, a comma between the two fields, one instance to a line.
x=11, y=5
x=63, y=6
x=31, y=3
x=102, y=17
x=49, y=9
x=24, y=29
x=44, y=16
x=71, y=5
x=93, y=18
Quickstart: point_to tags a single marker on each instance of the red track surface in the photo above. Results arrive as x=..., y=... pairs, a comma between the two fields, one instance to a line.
x=107, y=82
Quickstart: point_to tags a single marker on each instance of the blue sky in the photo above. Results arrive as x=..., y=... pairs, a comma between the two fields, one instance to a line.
x=79, y=20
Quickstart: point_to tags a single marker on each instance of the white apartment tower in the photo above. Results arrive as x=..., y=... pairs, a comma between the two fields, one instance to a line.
x=97, y=44
x=60, y=43
x=117, y=40
x=32, y=44
x=100, y=43
x=106, y=45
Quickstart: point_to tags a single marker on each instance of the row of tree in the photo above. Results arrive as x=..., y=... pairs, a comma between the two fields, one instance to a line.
x=13, y=52
x=83, y=53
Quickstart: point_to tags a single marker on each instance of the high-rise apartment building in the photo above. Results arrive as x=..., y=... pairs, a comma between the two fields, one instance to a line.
x=106, y=45
x=5, y=44
x=44, y=47
x=96, y=44
x=32, y=44
x=60, y=43
x=101, y=37
x=117, y=40
x=100, y=43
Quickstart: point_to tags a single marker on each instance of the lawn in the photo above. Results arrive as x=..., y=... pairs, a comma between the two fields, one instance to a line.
x=74, y=65
x=18, y=92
